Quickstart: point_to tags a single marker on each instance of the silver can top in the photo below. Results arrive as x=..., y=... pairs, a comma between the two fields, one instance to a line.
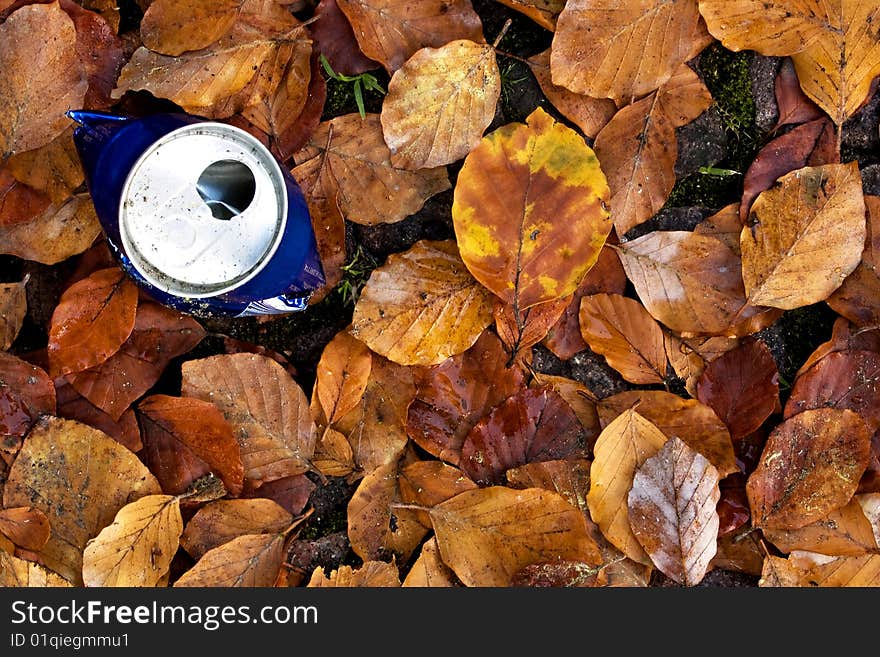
x=202, y=210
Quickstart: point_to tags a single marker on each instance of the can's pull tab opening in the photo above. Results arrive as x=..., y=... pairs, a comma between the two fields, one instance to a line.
x=227, y=187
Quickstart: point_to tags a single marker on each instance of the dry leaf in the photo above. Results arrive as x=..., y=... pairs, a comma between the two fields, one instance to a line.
x=13, y=308
x=569, y=477
x=335, y=39
x=804, y=570
x=671, y=508
x=19, y=204
x=223, y=520
x=856, y=298
x=73, y=406
x=529, y=211
x=248, y=561
x=428, y=483
x=137, y=548
x=724, y=225
x=429, y=570
x=26, y=526
x=292, y=493
x=792, y=103
x=621, y=330
x=521, y=330
x=843, y=532
x=83, y=477
x=690, y=356
x=422, y=306
x=172, y=27
x=805, y=236
x=543, y=12
x=18, y=573
x=810, y=466
x=439, y=103
x=54, y=169
x=343, y=371
x=370, y=574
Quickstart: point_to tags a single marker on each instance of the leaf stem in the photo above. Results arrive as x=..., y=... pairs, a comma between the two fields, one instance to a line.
x=501, y=34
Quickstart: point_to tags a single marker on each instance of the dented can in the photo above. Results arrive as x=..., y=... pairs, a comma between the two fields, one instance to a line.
x=199, y=213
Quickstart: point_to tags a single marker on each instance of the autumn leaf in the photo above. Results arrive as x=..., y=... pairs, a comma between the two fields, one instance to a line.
x=422, y=306
x=391, y=31
x=82, y=478
x=810, y=466
x=621, y=330
x=53, y=169
x=543, y=12
x=439, y=103
x=137, y=548
x=221, y=521
x=429, y=570
x=342, y=375
x=248, y=561
x=521, y=330
x=843, y=532
x=370, y=574
x=599, y=46
x=171, y=27
x=13, y=308
x=487, y=535
x=19, y=203
x=689, y=356
x=92, y=320
x=428, y=483
x=19, y=573
x=335, y=39
x=540, y=229
x=579, y=398
x=856, y=298
x=73, y=406
x=805, y=569
x=44, y=77
x=26, y=526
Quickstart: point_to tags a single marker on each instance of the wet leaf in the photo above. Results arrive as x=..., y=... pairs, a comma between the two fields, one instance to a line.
x=292, y=493
x=428, y=483
x=690, y=356
x=843, y=532
x=371, y=574
x=856, y=298
x=371, y=190
x=267, y=409
x=422, y=306
x=622, y=447
x=579, y=397
x=742, y=387
x=570, y=477
x=137, y=548
x=44, y=77
x=248, y=561
x=599, y=47
x=80, y=478
x=739, y=553
x=621, y=330
x=391, y=31
x=844, y=337
x=342, y=375
x=335, y=39
x=810, y=466
x=536, y=424
x=221, y=521
x=185, y=439
x=26, y=526
x=638, y=147
x=453, y=396
x=13, y=308
x=53, y=169
x=18, y=573
x=439, y=103
x=806, y=236
x=540, y=229
x=73, y=406
x=672, y=512
x=172, y=27
x=296, y=133
x=429, y=569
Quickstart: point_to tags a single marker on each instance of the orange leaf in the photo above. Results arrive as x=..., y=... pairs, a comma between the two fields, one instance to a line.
x=221, y=521
x=843, y=532
x=543, y=12
x=520, y=331
x=856, y=298
x=172, y=27
x=429, y=569
x=15, y=572
x=18, y=202
x=342, y=374
x=53, y=169
x=428, y=483
x=26, y=526
x=248, y=561
x=73, y=406
x=370, y=574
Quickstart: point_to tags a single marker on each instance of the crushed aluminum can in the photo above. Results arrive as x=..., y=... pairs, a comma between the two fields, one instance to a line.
x=199, y=213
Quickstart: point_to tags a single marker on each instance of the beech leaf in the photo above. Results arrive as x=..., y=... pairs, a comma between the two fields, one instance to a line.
x=223, y=520
x=13, y=308
x=856, y=298
x=247, y=561
x=371, y=574
x=18, y=573
x=342, y=375
x=26, y=526
x=172, y=27
x=54, y=169
x=843, y=532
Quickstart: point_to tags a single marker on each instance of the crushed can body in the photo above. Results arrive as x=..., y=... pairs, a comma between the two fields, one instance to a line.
x=199, y=213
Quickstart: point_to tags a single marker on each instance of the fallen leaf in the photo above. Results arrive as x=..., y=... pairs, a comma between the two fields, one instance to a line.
x=810, y=466
x=171, y=27
x=843, y=532
x=671, y=508
x=488, y=535
x=291, y=493
x=540, y=227
x=805, y=236
x=343, y=371
x=26, y=393
x=439, y=103
x=622, y=447
x=18, y=573
x=73, y=406
x=186, y=438
x=80, y=478
x=335, y=39
x=793, y=106
x=370, y=574
x=248, y=561
x=26, y=526
x=428, y=483
x=689, y=356
x=221, y=521
x=137, y=548
x=391, y=31
x=599, y=46
x=296, y=133
x=724, y=225
x=44, y=77
x=802, y=571
x=267, y=409
x=53, y=169
x=579, y=397
x=621, y=330
x=422, y=306
x=536, y=424
x=429, y=570
x=13, y=309
x=570, y=477
x=844, y=337
x=333, y=456
x=92, y=320
x=521, y=330
x=19, y=203
x=856, y=298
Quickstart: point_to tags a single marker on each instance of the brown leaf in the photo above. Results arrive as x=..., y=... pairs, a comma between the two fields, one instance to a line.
x=843, y=532
x=371, y=574
x=671, y=508
x=391, y=31
x=297, y=133
x=159, y=335
x=793, y=105
x=742, y=387
x=429, y=569
x=248, y=561
x=810, y=466
x=44, y=77
x=18, y=573
x=844, y=337
x=371, y=189
x=19, y=203
x=690, y=356
x=724, y=225
x=870, y=504
x=137, y=548
x=13, y=308
x=292, y=493
x=543, y=12
x=54, y=169
x=529, y=211
x=439, y=103
x=221, y=521
x=26, y=393
x=739, y=553
x=775, y=27
x=520, y=331
x=422, y=306
x=805, y=570
x=599, y=47
x=487, y=535
x=26, y=526
x=570, y=477
x=579, y=397
x=806, y=236
x=333, y=456
x=343, y=371
x=185, y=439
x=73, y=406
x=856, y=298
x=93, y=319
x=624, y=445
x=621, y=330
x=453, y=396
x=172, y=27
x=689, y=419
x=80, y=478
x=428, y=483
x=335, y=39
x=267, y=409
x=638, y=147
x=536, y=424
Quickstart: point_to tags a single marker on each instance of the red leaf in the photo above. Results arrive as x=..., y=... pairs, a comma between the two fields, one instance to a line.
x=26, y=392
x=794, y=105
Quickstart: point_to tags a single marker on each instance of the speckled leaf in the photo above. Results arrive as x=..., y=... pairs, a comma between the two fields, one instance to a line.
x=221, y=521
x=171, y=27
x=428, y=483
x=439, y=103
x=422, y=306
x=248, y=561
x=857, y=298
x=342, y=374
x=529, y=211
x=843, y=532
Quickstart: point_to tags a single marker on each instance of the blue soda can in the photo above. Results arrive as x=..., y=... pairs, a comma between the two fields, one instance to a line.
x=199, y=213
